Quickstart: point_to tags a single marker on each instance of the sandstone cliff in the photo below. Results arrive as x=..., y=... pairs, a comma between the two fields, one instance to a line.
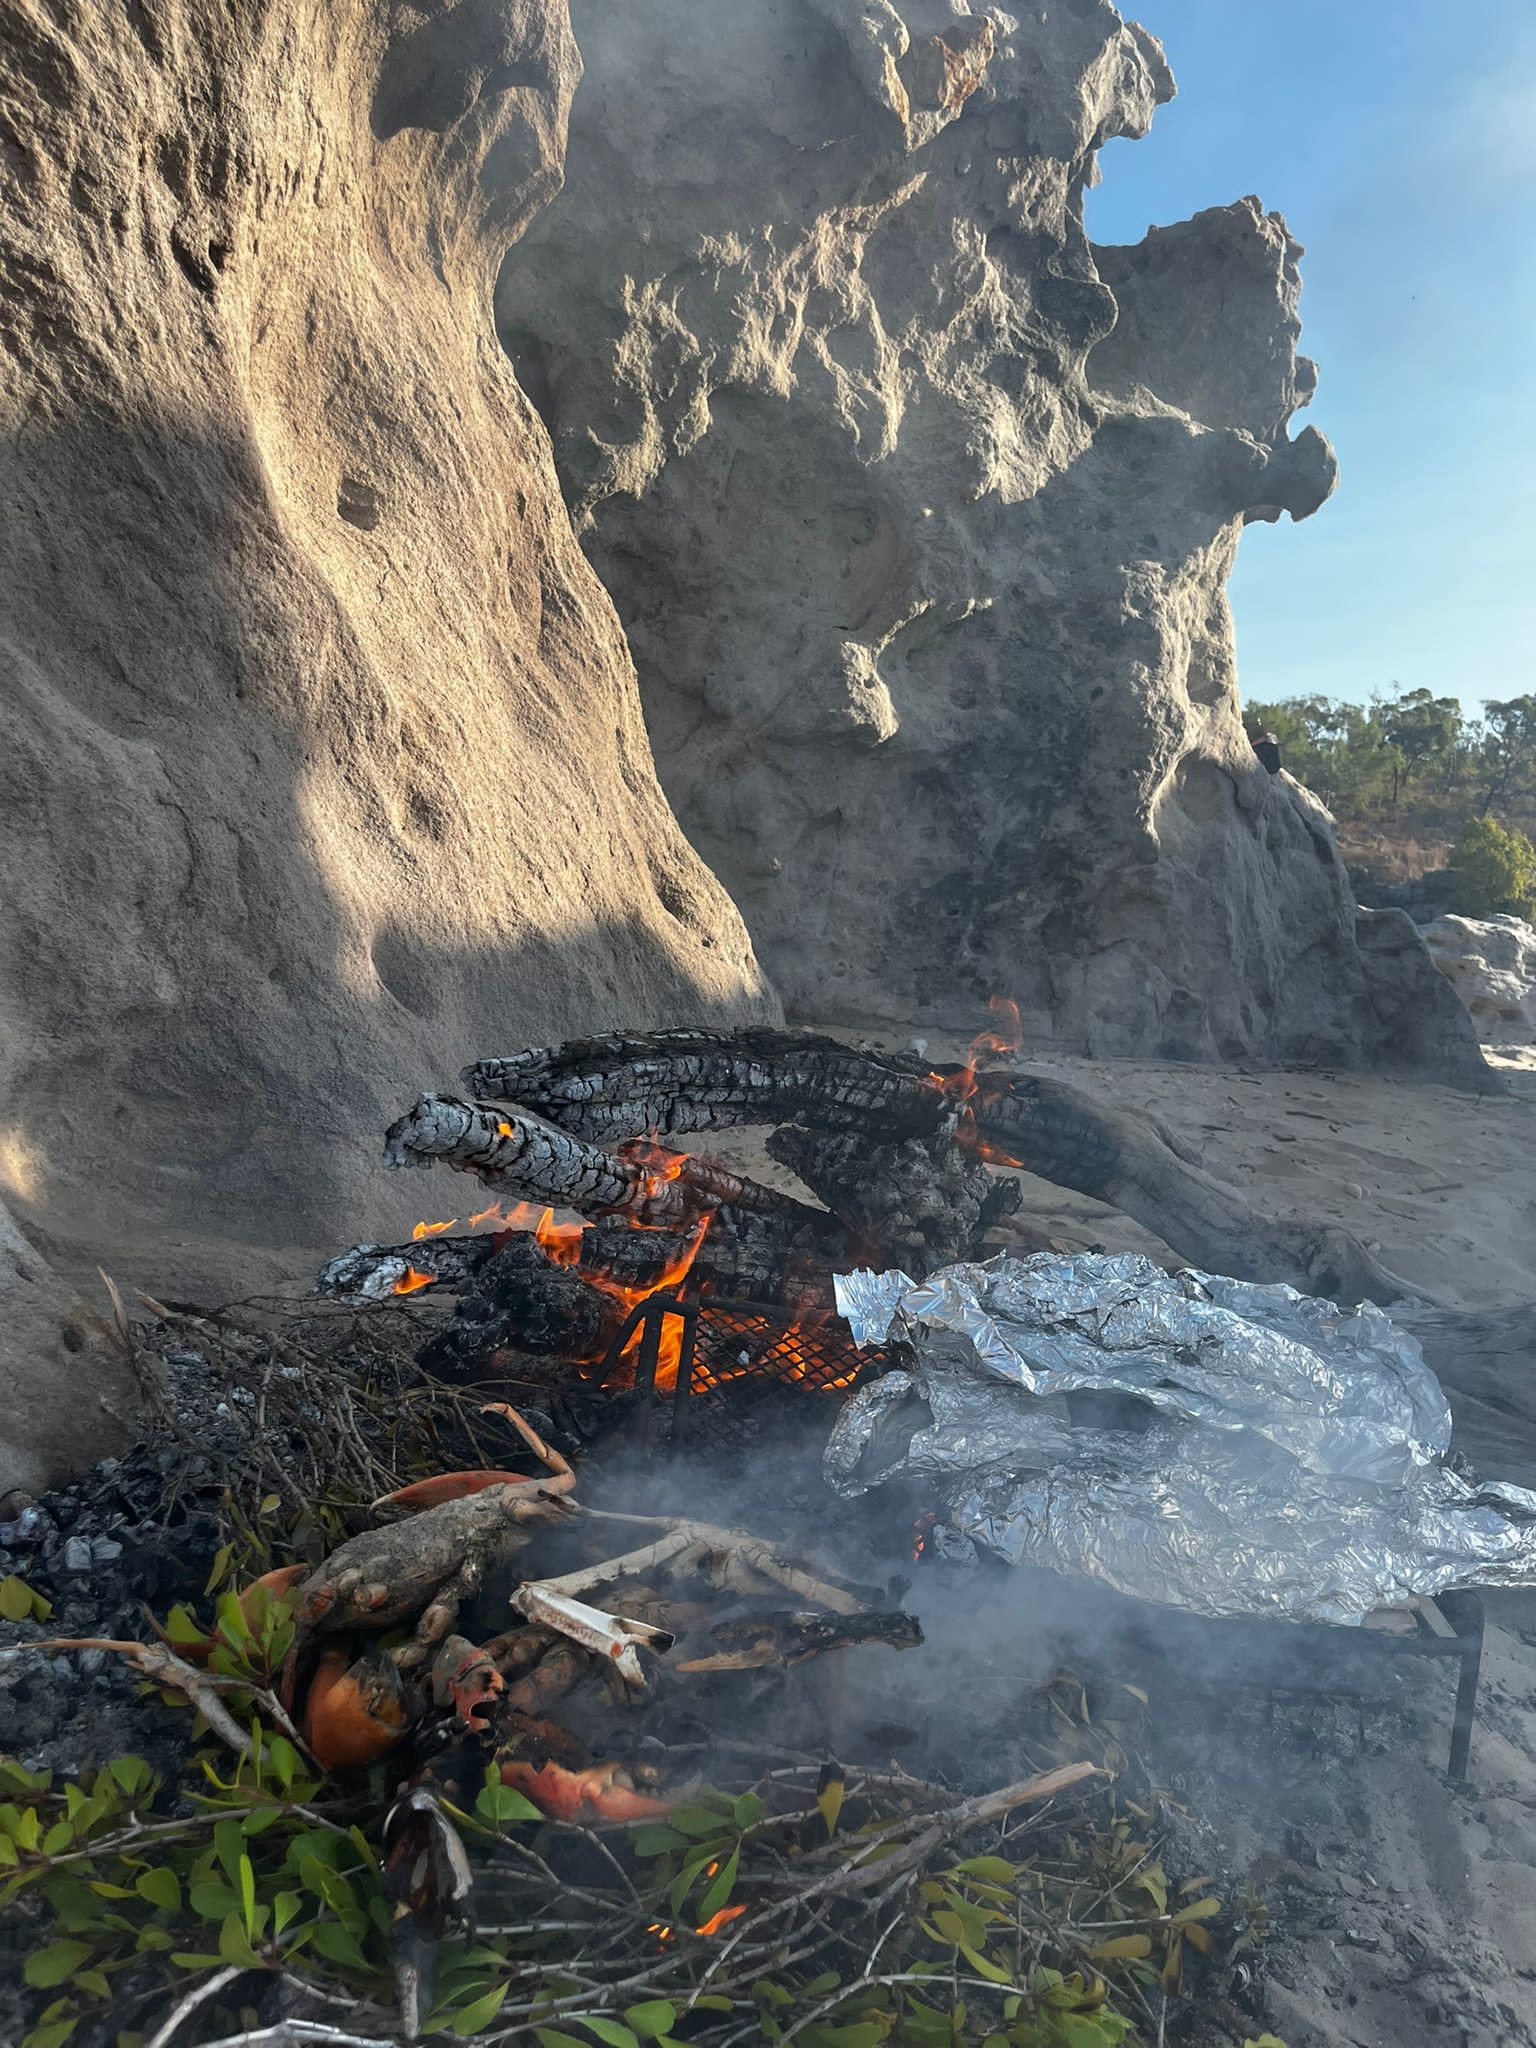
x=919, y=511
x=324, y=766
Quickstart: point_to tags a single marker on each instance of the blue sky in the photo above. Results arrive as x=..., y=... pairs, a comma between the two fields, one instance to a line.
x=1399, y=141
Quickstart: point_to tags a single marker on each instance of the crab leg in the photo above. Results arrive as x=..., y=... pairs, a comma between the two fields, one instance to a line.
x=445, y=1486
x=564, y=1480
x=726, y=1556
x=611, y=1636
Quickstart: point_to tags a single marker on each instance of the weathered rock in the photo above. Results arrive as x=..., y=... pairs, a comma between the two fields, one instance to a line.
x=919, y=511
x=324, y=764
x=66, y=1392
x=1491, y=964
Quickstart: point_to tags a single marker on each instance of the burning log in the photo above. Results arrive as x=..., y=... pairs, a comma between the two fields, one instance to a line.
x=567, y=1293
x=377, y=1271
x=683, y=1081
x=542, y=1163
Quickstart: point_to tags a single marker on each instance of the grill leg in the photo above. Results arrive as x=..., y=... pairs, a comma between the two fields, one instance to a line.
x=687, y=1307
x=645, y=1368
x=1470, y=1662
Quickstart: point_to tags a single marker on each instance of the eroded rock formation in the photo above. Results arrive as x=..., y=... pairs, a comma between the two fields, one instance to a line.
x=919, y=511
x=1491, y=964
x=323, y=757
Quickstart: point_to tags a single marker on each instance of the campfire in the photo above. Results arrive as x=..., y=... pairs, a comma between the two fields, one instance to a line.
x=592, y=1235
x=500, y=1612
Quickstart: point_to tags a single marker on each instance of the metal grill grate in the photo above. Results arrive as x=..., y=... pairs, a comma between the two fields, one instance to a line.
x=743, y=1342
x=726, y=1350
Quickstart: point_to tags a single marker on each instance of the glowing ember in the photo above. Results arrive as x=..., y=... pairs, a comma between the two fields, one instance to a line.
x=432, y=1229
x=663, y=1934
x=721, y=1919
x=411, y=1282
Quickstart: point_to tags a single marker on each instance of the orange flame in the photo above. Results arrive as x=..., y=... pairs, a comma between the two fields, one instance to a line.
x=432, y=1229
x=411, y=1282
x=721, y=1919
x=491, y=1215
x=1002, y=1042
x=560, y=1242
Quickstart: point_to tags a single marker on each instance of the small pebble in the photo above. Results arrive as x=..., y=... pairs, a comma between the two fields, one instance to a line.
x=92, y=1661
x=77, y=1555
x=103, y=1549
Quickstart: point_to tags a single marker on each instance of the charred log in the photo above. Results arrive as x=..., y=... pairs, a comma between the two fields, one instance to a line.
x=920, y=1202
x=681, y=1081
x=520, y=1300
x=538, y=1162
x=376, y=1271
x=515, y=1150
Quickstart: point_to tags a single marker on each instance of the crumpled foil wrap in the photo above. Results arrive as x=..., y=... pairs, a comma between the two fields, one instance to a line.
x=1185, y=1438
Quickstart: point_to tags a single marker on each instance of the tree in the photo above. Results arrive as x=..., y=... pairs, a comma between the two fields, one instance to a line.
x=1495, y=871
x=1509, y=749
x=1423, y=731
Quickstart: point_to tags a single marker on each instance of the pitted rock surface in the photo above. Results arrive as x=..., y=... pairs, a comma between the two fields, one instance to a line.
x=919, y=511
x=1491, y=964
x=324, y=764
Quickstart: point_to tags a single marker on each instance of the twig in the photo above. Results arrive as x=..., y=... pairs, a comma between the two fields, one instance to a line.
x=154, y=1661
x=295, y=2033
x=198, y=1995
x=970, y=1813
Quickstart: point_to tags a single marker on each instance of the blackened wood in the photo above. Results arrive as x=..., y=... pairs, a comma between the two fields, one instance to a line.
x=372, y=1270
x=521, y=1301
x=512, y=1149
x=700, y=1080
x=917, y=1204
x=682, y=1081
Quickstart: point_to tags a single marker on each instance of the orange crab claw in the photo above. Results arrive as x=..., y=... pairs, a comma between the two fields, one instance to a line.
x=354, y=1713
x=276, y=1584
x=601, y=1792
x=467, y=1678
x=445, y=1486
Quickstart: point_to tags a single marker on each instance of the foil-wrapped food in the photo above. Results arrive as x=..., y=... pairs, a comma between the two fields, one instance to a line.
x=1185, y=1438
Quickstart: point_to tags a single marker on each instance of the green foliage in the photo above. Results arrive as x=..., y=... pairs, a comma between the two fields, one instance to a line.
x=254, y=1877
x=1409, y=754
x=1495, y=871
x=18, y=1602
x=747, y=1915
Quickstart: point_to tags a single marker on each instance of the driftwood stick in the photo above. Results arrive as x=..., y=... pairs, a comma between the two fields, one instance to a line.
x=1125, y=1158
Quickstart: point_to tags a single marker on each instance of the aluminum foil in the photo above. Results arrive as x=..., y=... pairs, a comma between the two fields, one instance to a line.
x=1263, y=1453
